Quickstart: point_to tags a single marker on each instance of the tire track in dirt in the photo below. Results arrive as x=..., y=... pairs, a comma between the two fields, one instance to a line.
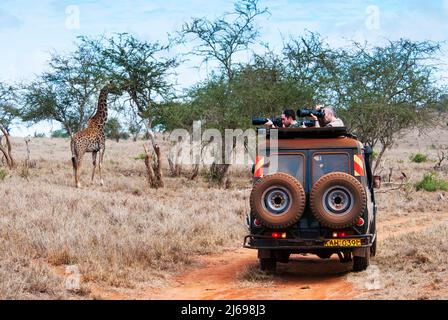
x=222, y=276
x=302, y=278
x=218, y=277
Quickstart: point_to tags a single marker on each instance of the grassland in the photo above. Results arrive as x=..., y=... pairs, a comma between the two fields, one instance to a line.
x=124, y=234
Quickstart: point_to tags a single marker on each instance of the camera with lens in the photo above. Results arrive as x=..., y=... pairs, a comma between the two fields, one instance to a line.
x=308, y=112
x=277, y=121
x=307, y=123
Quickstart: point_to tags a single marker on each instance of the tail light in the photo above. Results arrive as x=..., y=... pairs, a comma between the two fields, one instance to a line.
x=278, y=235
x=257, y=223
x=360, y=222
x=339, y=234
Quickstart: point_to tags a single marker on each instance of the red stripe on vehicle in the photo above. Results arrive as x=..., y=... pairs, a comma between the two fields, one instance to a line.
x=259, y=167
x=358, y=165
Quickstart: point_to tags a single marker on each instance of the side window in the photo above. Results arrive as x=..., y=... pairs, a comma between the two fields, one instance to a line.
x=291, y=164
x=326, y=163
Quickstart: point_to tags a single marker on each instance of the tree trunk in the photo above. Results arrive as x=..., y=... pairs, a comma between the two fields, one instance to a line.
x=69, y=130
x=7, y=150
x=155, y=176
x=380, y=156
x=158, y=169
x=219, y=171
x=174, y=160
x=154, y=170
x=148, y=164
x=195, y=171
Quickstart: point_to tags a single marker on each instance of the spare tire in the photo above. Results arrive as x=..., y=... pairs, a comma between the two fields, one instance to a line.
x=338, y=200
x=278, y=200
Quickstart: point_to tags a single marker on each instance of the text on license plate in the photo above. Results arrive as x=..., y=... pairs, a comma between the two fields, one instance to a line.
x=343, y=243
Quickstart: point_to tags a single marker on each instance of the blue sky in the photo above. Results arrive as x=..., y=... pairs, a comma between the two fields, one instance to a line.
x=30, y=30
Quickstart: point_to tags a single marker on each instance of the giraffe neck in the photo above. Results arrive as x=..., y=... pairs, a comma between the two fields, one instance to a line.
x=100, y=116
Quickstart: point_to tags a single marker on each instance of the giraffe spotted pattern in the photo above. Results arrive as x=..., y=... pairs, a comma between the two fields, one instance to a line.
x=92, y=139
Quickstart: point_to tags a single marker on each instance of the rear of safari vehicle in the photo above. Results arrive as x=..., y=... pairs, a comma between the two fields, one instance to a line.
x=312, y=193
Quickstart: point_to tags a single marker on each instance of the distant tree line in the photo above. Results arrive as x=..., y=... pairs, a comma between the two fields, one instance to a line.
x=379, y=91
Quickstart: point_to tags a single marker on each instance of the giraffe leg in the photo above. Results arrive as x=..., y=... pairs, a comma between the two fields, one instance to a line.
x=100, y=164
x=75, y=170
x=94, y=164
x=74, y=162
x=78, y=171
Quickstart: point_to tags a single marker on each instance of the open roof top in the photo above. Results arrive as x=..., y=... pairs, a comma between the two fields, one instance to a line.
x=331, y=132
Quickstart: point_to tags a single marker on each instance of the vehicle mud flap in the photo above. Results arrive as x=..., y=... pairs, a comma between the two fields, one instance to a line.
x=265, y=253
x=361, y=252
x=361, y=259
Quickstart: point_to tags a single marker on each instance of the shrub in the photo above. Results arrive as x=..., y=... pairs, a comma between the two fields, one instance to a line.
x=3, y=174
x=432, y=183
x=141, y=156
x=418, y=158
x=60, y=134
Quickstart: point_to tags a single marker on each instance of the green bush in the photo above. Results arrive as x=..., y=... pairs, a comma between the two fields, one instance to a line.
x=418, y=158
x=141, y=156
x=3, y=174
x=432, y=183
x=62, y=133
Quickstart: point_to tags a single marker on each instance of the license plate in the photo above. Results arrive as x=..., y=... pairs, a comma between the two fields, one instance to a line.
x=343, y=243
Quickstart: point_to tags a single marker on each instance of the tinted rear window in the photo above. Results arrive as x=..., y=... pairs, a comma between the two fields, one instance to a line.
x=290, y=164
x=326, y=163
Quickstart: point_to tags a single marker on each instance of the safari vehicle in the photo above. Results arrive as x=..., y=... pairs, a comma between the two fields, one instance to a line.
x=313, y=193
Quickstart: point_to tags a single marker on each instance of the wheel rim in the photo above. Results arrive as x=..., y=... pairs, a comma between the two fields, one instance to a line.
x=338, y=201
x=276, y=200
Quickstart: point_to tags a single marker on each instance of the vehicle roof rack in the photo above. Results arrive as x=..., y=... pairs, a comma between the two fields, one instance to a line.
x=326, y=132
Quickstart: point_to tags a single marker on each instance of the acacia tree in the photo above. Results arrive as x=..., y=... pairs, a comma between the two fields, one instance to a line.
x=8, y=110
x=142, y=69
x=66, y=93
x=8, y=114
x=393, y=88
x=114, y=130
x=221, y=40
x=378, y=91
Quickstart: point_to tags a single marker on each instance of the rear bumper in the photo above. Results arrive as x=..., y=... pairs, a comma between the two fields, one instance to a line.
x=266, y=242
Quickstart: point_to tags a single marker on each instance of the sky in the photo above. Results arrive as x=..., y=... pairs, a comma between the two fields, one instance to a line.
x=31, y=29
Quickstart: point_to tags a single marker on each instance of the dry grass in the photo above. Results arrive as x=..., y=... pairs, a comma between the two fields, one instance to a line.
x=413, y=228
x=120, y=234
x=252, y=276
x=410, y=266
x=124, y=234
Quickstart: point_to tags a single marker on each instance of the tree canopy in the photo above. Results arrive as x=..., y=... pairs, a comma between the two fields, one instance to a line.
x=378, y=91
x=9, y=111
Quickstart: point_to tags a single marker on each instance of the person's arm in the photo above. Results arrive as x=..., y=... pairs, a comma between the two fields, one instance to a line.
x=316, y=121
x=269, y=124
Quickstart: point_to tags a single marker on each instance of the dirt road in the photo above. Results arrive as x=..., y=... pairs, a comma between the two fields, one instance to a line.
x=223, y=276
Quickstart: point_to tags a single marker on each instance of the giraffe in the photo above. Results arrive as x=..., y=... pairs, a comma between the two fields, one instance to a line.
x=92, y=139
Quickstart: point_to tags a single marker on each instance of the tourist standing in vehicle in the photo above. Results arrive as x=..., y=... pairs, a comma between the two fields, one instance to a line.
x=329, y=120
x=288, y=120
